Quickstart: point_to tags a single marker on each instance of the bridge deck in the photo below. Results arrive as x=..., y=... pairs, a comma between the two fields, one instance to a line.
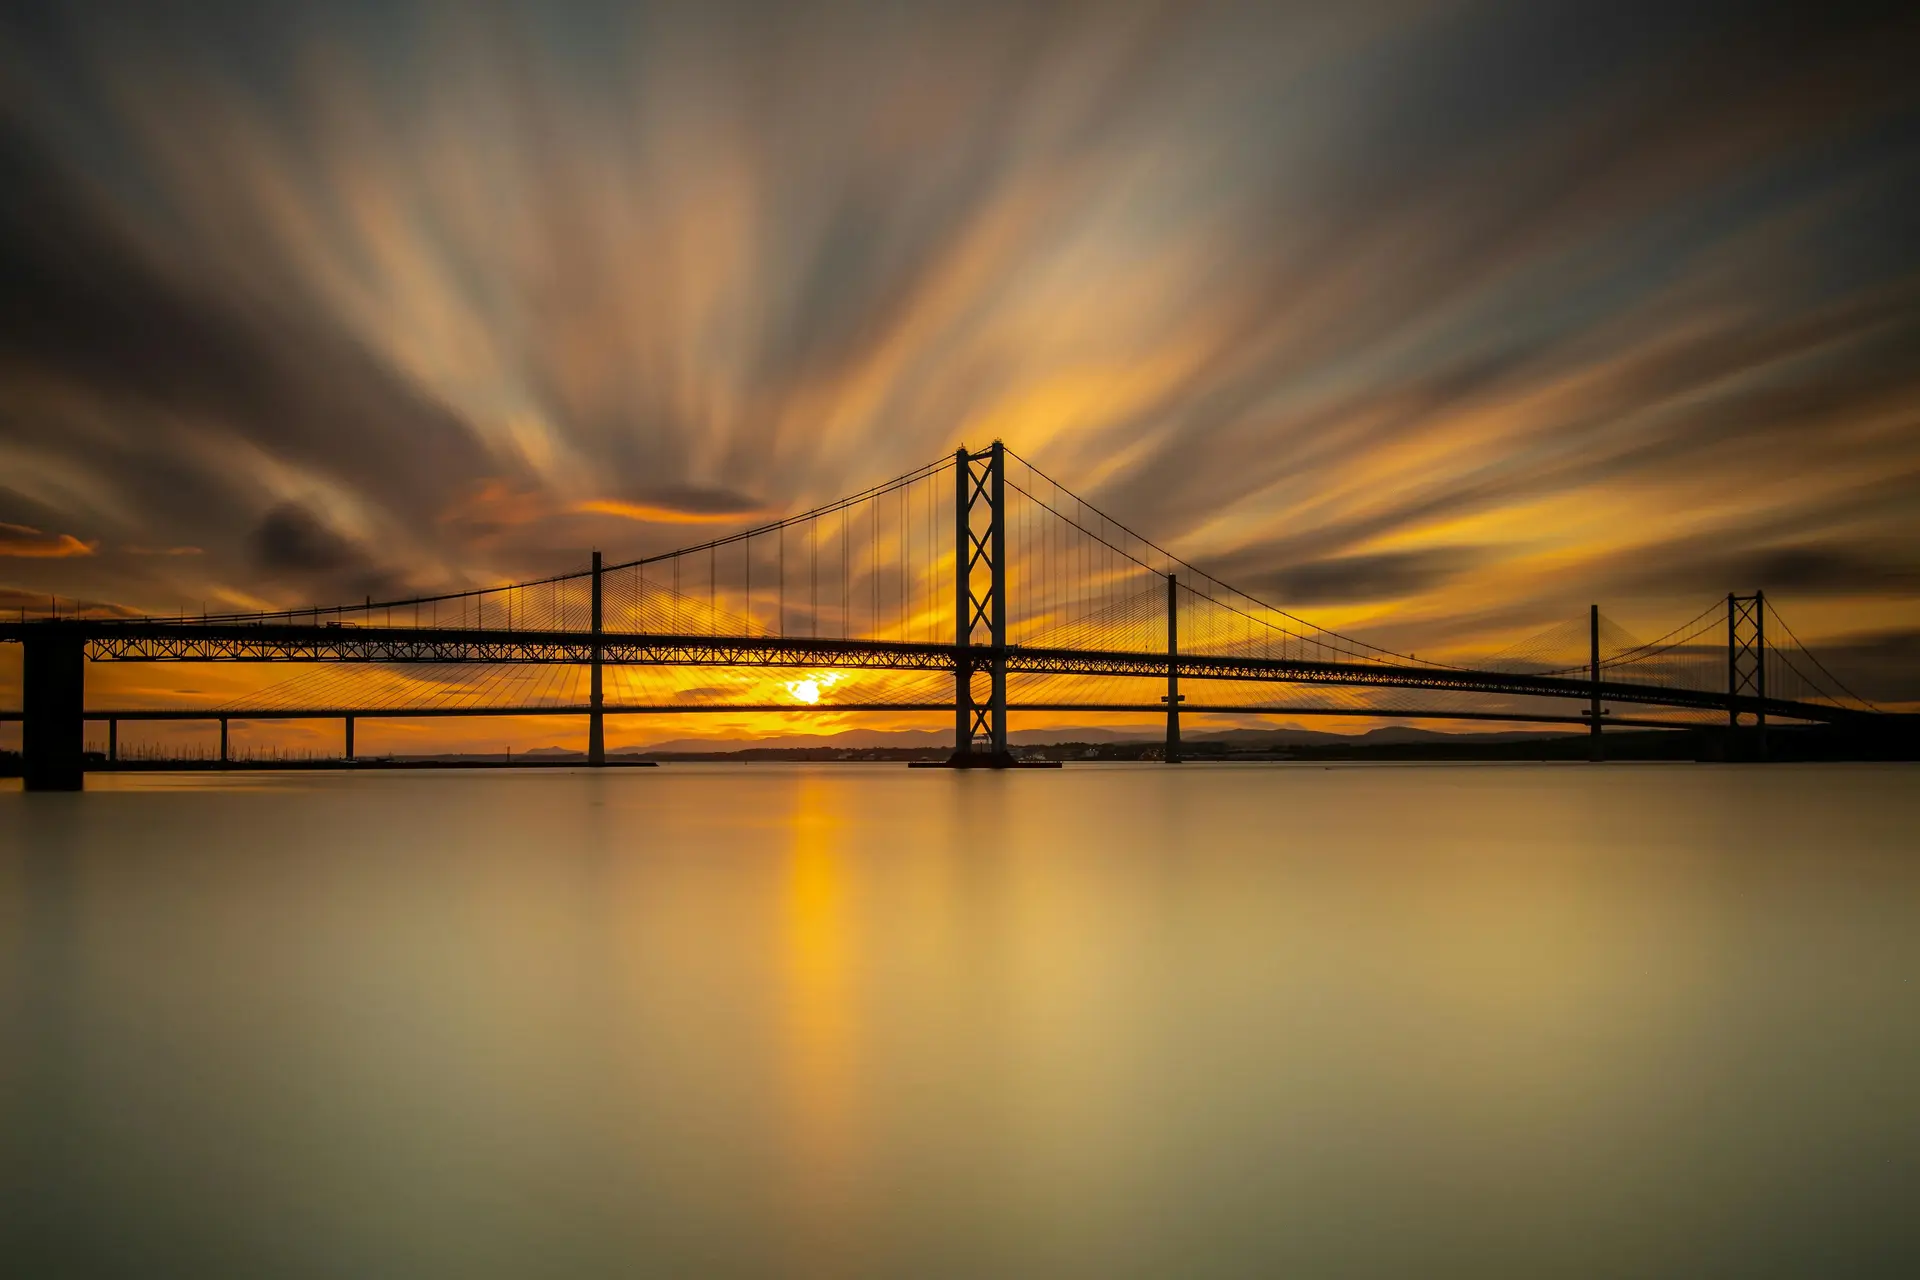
x=148, y=640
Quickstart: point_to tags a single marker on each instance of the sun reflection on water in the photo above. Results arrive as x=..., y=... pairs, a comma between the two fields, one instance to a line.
x=820, y=1030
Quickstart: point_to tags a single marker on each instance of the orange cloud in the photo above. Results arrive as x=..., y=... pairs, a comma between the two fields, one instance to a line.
x=650, y=514
x=494, y=502
x=29, y=543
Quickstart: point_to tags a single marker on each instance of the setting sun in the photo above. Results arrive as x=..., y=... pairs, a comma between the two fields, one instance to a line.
x=808, y=690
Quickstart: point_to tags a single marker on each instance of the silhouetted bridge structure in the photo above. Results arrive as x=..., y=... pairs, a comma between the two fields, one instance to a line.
x=975, y=585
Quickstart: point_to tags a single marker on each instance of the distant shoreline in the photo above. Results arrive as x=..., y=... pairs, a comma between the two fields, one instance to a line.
x=1706, y=744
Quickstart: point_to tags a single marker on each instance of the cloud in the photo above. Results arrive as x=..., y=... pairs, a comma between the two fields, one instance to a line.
x=683, y=504
x=14, y=600
x=292, y=544
x=705, y=693
x=291, y=538
x=1811, y=569
x=26, y=543
x=1341, y=579
x=1427, y=318
x=648, y=514
x=90, y=315
x=1884, y=666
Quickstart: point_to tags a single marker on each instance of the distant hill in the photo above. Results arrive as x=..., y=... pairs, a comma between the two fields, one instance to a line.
x=935, y=739
x=1263, y=739
x=869, y=739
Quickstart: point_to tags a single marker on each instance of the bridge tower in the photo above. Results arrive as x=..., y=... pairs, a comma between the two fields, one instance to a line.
x=53, y=730
x=1747, y=659
x=980, y=607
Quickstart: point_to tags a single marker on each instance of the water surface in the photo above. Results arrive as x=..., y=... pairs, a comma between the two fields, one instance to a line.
x=838, y=1020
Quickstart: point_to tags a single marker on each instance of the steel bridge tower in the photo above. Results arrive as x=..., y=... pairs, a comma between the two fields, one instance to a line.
x=1747, y=660
x=980, y=607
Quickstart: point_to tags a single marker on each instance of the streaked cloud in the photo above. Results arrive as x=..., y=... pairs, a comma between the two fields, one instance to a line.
x=1436, y=321
x=22, y=542
x=679, y=504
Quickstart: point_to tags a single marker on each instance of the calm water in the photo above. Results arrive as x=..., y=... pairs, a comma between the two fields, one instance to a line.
x=1110, y=1021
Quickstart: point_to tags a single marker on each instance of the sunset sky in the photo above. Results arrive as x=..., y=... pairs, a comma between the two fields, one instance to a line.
x=1433, y=321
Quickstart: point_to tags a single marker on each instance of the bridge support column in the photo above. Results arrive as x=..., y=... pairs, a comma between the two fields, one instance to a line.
x=52, y=730
x=1172, y=752
x=1597, y=750
x=349, y=754
x=596, y=718
x=113, y=741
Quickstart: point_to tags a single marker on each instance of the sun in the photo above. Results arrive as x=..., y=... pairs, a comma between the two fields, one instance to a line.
x=808, y=690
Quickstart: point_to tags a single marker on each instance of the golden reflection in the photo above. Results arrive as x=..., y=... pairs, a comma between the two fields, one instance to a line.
x=819, y=1065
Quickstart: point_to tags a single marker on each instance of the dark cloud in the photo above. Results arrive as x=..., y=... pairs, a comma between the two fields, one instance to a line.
x=39, y=603
x=86, y=307
x=291, y=538
x=700, y=500
x=1454, y=187
x=1831, y=569
x=292, y=544
x=1883, y=666
x=1344, y=579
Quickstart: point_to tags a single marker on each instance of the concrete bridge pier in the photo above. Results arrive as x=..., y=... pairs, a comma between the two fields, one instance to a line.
x=53, y=727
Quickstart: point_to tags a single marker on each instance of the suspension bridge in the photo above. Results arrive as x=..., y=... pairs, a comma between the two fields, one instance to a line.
x=976, y=586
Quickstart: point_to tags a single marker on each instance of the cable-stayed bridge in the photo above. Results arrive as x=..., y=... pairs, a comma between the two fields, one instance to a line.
x=976, y=585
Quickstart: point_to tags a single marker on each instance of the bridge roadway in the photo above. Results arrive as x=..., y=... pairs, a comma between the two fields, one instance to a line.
x=155, y=640
x=243, y=715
